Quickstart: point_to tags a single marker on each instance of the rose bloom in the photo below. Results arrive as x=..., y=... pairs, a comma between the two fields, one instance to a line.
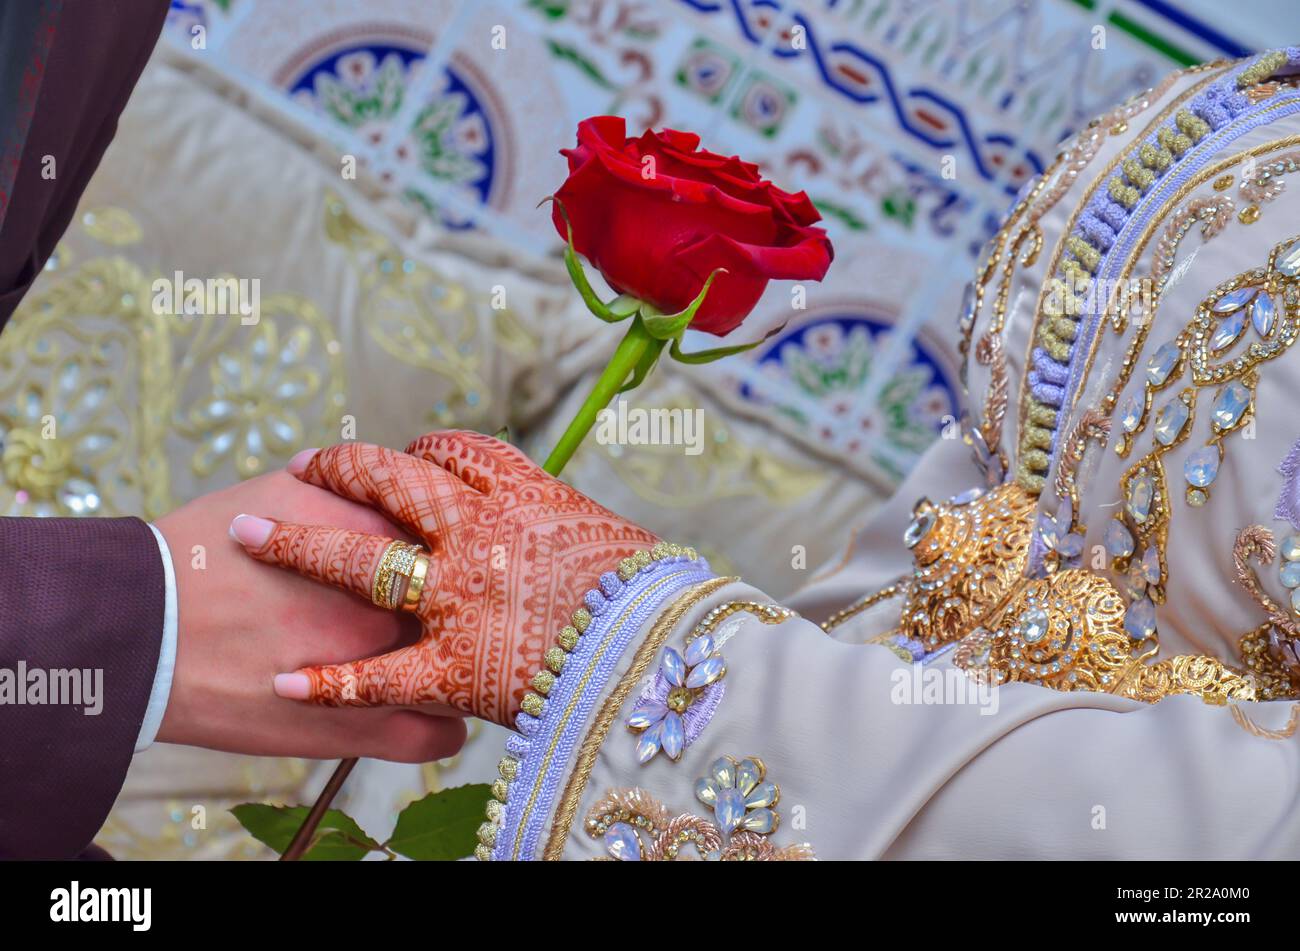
x=656, y=229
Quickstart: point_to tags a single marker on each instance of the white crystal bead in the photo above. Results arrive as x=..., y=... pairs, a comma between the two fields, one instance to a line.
x=1201, y=467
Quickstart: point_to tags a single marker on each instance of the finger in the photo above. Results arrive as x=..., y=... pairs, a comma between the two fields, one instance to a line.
x=410, y=737
x=409, y=676
x=333, y=556
x=482, y=462
x=420, y=497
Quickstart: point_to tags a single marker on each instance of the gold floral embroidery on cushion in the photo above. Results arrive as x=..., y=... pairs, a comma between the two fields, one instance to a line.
x=85, y=386
x=121, y=383
x=426, y=319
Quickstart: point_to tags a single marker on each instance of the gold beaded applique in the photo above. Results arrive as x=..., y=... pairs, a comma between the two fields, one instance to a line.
x=967, y=556
x=635, y=826
x=1069, y=630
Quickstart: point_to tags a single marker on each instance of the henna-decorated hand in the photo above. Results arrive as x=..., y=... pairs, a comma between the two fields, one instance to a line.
x=512, y=552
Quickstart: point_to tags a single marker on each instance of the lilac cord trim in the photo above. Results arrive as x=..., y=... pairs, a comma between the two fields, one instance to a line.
x=912, y=645
x=1097, y=232
x=1049, y=370
x=1048, y=394
x=1110, y=211
x=615, y=630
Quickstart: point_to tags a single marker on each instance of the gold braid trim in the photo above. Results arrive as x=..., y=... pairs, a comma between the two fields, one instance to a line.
x=893, y=589
x=595, y=738
x=989, y=352
x=1261, y=69
x=1206, y=677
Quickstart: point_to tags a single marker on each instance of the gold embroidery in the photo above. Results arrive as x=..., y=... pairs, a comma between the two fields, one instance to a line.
x=1213, y=215
x=643, y=829
x=1139, y=246
x=1055, y=332
x=891, y=590
x=1273, y=680
x=967, y=558
x=1065, y=631
x=422, y=318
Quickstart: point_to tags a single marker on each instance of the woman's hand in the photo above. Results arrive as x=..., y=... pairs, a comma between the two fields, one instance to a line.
x=239, y=625
x=512, y=552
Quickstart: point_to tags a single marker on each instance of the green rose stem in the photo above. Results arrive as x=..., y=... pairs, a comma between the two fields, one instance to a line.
x=634, y=347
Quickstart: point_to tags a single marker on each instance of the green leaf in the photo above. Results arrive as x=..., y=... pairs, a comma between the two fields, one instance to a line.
x=337, y=839
x=549, y=8
x=570, y=54
x=844, y=214
x=443, y=826
x=708, y=356
x=667, y=326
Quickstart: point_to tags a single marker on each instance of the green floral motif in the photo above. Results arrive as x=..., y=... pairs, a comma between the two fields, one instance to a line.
x=829, y=362
x=450, y=140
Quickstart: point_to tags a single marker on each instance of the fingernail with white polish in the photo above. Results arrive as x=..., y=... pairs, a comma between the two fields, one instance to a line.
x=298, y=464
x=293, y=686
x=251, y=531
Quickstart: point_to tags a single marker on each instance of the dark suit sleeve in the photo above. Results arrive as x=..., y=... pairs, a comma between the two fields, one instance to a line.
x=67, y=68
x=74, y=594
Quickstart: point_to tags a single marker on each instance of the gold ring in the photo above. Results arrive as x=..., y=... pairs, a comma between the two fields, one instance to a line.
x=396, y=563
x=415, y=586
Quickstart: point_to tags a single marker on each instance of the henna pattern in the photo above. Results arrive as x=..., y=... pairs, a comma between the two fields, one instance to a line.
x=512, y=552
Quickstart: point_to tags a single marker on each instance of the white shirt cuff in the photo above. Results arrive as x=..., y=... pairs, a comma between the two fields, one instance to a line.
x=162, y=678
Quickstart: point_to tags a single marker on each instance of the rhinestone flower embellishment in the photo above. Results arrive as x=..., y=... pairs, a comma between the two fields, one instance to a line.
x=740, y=797
x=680, y=701
x=1055, y=532
x=637, y=827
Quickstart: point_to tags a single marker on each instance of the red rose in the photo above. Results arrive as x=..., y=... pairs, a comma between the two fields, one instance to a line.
x=657, y=230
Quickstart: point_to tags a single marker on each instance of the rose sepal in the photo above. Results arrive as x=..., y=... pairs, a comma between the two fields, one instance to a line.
x=665, y=327
x=620, y=308
x=717, y=353
x=644, y=365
